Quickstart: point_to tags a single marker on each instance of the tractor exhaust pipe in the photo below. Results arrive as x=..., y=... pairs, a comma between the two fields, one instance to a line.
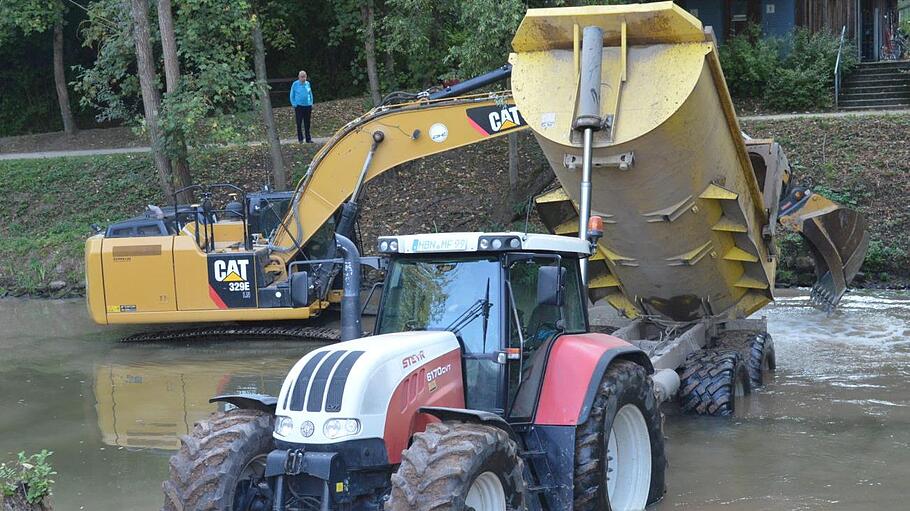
x=588, y=121
x=350, y=300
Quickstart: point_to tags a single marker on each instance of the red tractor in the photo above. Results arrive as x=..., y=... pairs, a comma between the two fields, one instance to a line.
x=482, y=389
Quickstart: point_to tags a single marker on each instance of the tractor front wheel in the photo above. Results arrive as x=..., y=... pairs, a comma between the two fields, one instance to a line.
x=220, y=465
x=620, y=462
x=457, y=466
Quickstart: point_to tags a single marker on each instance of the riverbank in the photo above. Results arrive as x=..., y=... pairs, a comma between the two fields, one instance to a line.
x=48, y=206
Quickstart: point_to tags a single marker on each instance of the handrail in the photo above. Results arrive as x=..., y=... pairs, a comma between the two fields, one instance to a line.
x=837, y=70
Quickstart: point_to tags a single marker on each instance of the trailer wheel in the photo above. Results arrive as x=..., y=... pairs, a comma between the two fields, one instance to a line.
x=220, y=463
x=714, y=383
x=620, y=462
x=459, y=466
x=762, y=361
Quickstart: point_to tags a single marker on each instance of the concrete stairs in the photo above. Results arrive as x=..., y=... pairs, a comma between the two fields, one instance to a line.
x=877, y=85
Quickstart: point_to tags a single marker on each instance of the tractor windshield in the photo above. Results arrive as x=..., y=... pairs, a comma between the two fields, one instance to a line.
x=455, y=294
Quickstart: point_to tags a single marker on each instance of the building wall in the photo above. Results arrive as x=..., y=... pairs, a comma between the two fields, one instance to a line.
x=711, y=13
x=778, y=17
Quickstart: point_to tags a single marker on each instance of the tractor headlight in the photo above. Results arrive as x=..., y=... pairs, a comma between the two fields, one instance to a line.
x=337, y=428
x=284, y=425
x=383, y=246
x=393, y=245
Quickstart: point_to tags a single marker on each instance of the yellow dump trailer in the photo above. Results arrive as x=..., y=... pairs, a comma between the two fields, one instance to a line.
x=689, y=224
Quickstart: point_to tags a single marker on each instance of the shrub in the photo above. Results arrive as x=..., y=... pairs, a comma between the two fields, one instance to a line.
x=797, y=89
x=749, y=61
x=30, y=473
x=802, y=79
x=881, y=258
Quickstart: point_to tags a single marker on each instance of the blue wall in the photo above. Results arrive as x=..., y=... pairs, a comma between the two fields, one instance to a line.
x=711, y=13
x=779, y=23
x=782, y=21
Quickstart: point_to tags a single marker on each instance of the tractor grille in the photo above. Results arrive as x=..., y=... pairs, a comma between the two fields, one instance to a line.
x=320, y=385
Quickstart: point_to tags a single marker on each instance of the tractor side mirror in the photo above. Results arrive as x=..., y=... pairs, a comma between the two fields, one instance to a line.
x=300, y=289
x=550, y=285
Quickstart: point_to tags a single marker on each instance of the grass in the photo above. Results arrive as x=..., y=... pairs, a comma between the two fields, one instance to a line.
x=862, y=162
x=49, y=206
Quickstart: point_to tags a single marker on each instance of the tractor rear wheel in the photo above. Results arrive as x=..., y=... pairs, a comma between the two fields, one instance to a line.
x=221, y=463
x=620, y=461
x=714, y=383
x=459, y=466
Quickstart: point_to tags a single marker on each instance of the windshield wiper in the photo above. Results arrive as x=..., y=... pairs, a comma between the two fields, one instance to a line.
x=479, y=308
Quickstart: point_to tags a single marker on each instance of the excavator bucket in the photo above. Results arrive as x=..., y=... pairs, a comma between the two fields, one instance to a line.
x=838, y=240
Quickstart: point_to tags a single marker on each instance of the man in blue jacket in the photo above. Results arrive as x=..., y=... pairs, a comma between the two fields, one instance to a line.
x=302, y=101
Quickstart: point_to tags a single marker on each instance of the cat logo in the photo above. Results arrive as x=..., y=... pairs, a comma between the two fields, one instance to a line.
x=232, y=270
x=495, y=119
x=503, y=120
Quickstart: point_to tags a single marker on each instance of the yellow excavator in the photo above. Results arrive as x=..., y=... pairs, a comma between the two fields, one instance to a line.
x=691, y=206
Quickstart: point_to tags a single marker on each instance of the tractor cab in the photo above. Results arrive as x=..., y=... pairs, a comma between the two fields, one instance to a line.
x=505, y=296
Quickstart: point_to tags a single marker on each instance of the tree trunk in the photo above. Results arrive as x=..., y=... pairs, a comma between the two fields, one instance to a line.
x=172, y=79
x=369, y=46
x=63, y=96
x=279, y=174
x=513, y=168
x=151, y=101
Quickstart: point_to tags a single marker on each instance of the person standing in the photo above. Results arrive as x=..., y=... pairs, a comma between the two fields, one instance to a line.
x=302, y=101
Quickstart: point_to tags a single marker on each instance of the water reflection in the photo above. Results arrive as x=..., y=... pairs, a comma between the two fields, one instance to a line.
x=151, y=404
x=832, y=431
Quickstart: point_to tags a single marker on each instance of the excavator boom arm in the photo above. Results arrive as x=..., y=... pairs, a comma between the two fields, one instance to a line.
x=409, y=131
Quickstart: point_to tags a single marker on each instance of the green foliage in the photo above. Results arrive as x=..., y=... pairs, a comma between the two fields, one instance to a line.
x=33, y=473
x=29, y=16
x=110, y=86
x=791, y=73
x=881, y=257
x=749, y=61
x=807, y=77
x=483, y=35
x=48, y=206
x=215, y=51
x=844, y=197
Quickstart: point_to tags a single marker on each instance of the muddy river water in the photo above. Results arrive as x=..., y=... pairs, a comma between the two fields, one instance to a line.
x=832, y=431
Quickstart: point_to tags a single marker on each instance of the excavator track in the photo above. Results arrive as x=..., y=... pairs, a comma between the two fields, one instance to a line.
x=234, y=332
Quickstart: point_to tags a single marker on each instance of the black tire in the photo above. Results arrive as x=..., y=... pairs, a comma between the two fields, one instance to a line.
x=205, y=473
x=442, y=463
x=623, y=383
x=709, y=380
x=761, y=359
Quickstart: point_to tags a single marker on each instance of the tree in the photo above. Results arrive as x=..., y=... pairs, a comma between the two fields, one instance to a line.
x=367, y=12
x=356, y=22
x=210, y=84
x=268, y=23
x=39, y=16
x=172, y=80
x=148, y=82
x=279, y=174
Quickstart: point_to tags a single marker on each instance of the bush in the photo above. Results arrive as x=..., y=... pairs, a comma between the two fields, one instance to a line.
x=803, y=79
x=749, y=61
x=797, y=89
x=30, y=475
